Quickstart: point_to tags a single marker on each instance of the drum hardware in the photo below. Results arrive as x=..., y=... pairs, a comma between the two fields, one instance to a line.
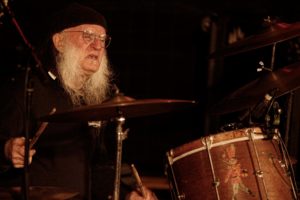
x=272, y=119
x=173, y=185
x=284, y=80
x=282, y=164
x=259, y=173
x=288, y=165
x=121, y=135
x=119, y=108
x=286, y=162
x=277, y=112
x=247, y=96
x=208, y=142
x=261, y=67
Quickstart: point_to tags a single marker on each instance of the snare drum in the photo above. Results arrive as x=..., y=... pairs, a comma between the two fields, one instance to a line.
x=238, y=164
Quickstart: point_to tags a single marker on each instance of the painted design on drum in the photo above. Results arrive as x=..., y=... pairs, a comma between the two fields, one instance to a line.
x=234, y=172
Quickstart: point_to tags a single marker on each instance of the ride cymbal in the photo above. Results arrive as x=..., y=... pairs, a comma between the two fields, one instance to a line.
x=119, y=106
x=275, y=34
x=284, y=80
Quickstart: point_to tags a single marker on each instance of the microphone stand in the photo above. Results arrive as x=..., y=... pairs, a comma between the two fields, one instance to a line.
x=28, y=94
x=28, y=100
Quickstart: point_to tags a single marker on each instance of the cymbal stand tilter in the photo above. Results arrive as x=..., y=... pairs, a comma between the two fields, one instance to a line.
x=262, y=65
x=271, y=23
x=121, y=135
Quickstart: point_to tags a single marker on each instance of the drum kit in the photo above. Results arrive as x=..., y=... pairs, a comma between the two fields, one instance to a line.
x=248, y=162
x=119, y=108
x=245, y=163
x=237, y=164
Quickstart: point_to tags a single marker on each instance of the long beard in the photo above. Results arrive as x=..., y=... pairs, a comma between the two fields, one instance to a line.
x=89, y=90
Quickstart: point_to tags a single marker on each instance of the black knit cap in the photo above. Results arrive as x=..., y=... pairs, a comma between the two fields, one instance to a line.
x=75, y=14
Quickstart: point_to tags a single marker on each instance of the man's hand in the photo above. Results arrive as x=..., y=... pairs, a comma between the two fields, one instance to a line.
x=15, y=151
x=134, y=195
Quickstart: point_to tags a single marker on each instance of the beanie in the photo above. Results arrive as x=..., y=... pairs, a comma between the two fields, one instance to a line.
x=75, y=14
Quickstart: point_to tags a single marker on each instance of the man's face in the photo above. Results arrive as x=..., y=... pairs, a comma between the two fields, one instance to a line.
x=89, y=42
x=82, y=63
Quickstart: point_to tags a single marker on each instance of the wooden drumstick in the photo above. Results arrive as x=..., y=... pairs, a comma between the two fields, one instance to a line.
x=40, y=130
x=138, y=181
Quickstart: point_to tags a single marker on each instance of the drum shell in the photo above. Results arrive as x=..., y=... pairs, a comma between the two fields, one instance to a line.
x=257, y=171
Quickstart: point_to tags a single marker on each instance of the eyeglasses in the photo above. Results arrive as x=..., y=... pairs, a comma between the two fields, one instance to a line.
x=90, y=37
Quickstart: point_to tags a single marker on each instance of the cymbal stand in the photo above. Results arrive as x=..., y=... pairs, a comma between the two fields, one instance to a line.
x=289, y=115
x=273, y=56
x=121, y=135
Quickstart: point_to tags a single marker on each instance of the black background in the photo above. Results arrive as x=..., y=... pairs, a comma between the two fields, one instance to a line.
x=159, y=50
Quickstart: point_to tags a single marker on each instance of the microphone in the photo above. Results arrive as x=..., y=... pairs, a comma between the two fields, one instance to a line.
x=261, y=108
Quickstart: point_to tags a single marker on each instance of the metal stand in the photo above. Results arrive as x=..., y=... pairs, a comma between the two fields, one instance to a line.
x=28, y=101
x=288, y=120
x=121, y=135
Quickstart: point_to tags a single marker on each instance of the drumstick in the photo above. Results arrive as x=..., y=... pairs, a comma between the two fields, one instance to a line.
x=138, y=181
x=40, y=130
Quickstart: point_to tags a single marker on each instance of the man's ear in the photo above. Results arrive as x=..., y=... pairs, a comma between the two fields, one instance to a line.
x=57, y=40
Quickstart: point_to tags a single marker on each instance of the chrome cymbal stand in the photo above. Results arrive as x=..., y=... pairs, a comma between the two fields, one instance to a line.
x=121, y=135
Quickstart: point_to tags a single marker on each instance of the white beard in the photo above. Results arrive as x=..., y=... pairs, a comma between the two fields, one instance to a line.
x=89, y=90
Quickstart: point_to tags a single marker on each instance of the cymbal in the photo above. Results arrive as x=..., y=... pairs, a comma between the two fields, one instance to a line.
x=119, y=106
x=276, y=33
x=284, y=80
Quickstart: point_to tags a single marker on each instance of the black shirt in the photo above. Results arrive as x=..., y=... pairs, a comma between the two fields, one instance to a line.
x=62, y=151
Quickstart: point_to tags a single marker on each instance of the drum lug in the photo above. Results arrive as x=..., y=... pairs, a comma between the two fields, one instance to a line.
x=207, y=141
x=170, y=156
x=216, y=183
x=259, y=173
x=282, y=164
x=181, y=197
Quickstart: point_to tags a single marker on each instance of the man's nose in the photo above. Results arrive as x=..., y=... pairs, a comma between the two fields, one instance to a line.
x=97, y=44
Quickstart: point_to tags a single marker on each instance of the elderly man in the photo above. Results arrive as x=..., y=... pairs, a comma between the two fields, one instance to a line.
x=74, y=55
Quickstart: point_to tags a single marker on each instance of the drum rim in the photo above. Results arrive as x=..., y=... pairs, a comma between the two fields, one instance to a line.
x=178, y=153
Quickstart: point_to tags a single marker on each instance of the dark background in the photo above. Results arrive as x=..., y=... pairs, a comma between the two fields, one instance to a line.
x=160, y=49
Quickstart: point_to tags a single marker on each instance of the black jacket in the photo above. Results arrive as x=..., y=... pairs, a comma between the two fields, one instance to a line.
x=62, y=157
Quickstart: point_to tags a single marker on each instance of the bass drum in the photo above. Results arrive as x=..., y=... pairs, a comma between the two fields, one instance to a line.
x=238, y=164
